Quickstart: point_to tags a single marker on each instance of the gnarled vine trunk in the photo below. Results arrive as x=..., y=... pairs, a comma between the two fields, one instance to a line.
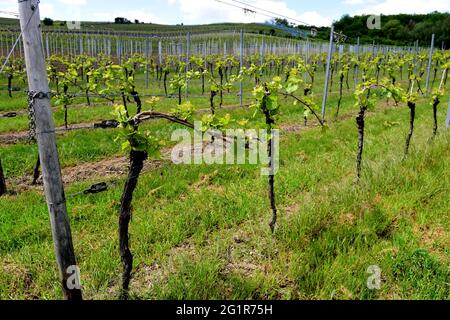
x=360, y=125
x=412, y=109
x=66, y=88
x=138, y=101
x=435, y=126
x=273, y=206
x=211, y=102
x=124, y=101
x=10, y=77
x=137, y=159
x=165, y=82
x=203, y=80
x=271, y=187
x=88, y=100
x=341, y=87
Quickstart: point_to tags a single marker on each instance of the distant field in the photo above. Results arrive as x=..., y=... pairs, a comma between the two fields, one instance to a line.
x=159, y=28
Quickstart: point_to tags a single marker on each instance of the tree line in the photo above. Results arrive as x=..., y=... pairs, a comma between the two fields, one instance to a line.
x=400, y=29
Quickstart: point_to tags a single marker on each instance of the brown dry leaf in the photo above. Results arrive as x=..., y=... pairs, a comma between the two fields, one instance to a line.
x=347, y=218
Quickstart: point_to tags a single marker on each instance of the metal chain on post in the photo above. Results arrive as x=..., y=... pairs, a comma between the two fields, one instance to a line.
x=32, y=96
x=31, y=118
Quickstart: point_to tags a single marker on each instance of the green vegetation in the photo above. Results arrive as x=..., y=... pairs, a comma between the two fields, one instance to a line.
x=201, y=231
x=401, y=29
x=213, y=242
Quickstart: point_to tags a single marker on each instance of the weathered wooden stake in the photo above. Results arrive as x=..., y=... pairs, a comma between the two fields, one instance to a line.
x=241, y=65
x=327, y=73
x=357, y=66
x=430, y=61
x=45, y=134
x=146, y=63
x=188, y=53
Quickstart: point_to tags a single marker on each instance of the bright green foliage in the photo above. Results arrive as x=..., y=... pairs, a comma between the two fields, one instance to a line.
x=131, y=138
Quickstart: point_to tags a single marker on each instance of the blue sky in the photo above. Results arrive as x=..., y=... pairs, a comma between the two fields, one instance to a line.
x=318, y=12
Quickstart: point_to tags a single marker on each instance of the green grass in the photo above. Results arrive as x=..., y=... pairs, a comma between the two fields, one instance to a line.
x=201, y=232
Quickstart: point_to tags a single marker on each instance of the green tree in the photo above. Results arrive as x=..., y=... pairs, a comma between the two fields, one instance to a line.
x=48, y=22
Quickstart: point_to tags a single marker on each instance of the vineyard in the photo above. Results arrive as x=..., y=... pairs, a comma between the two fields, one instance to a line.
x=362, y=180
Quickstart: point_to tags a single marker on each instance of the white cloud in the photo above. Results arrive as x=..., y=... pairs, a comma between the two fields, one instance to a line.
x=210, y=11
x=131, y=15
x=9, y=6
x=387, y=7
x=359, y=2
x=46, y=10
x=315, y=18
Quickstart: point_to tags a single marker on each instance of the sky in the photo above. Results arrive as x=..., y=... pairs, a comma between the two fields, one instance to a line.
x=318, y=12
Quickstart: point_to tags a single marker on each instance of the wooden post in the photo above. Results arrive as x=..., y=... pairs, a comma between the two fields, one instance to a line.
x=160, y=53
x=205, y=49
x=48, y=153
x=357, y=59
x=225, y=49
x=120, y=51
x=6, y=42
x=188, y=49
x=146, y=63
x=47, y=45
x=62, y=43
x=261, y=58
x=416, y=48
x=12, y=45
x=305, y=74
x=327, y=73
x=241, y=65
x=430, y=62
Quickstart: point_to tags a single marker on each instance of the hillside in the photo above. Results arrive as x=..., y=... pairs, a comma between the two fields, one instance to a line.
x=152, y=28
x=401, y=29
